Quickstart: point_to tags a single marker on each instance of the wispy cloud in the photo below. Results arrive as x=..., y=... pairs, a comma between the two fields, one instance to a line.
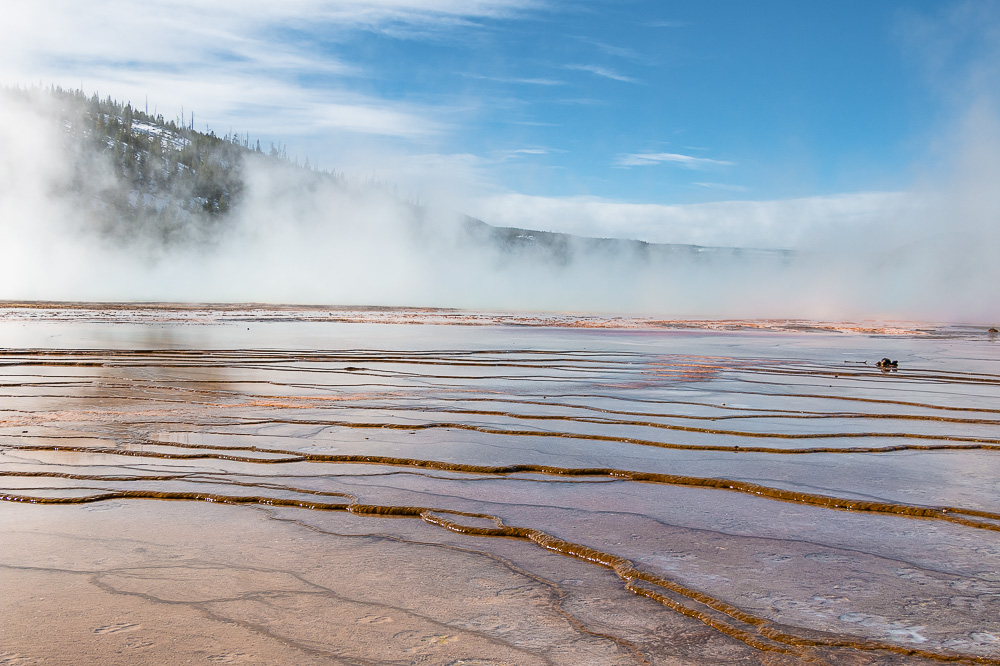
x=611, y=49
x=686, y=161
x=605, y=72
x=579, y=101
x=529, y=81
x=280, y=108
x=723, y=186
x=413, y=11
x=529, y=152
x=267, y=66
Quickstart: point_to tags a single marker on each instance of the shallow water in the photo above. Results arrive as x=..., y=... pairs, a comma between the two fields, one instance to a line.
x=379, y=486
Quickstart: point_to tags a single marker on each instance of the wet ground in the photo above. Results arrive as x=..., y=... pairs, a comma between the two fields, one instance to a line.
x=268, y=485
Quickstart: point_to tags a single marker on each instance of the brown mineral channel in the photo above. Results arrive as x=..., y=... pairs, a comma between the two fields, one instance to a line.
x=947, y=513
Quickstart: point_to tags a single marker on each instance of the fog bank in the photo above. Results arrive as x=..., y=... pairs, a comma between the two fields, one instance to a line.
x=296, y=237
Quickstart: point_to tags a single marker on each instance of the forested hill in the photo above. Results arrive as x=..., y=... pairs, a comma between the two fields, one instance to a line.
x=139, y=178
x=145, y=176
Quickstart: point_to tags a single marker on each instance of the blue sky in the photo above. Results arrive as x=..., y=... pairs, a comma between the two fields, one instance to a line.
x=719, y=98
x=624, y=117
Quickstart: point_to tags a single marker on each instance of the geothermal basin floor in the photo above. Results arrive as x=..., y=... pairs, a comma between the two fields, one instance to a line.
x=268, y=485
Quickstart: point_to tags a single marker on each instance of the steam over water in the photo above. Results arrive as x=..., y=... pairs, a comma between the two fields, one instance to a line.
x=72, y=229
x=313, y=487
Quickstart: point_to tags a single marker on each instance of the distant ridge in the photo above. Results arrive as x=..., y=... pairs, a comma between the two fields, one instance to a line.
x=562, y=247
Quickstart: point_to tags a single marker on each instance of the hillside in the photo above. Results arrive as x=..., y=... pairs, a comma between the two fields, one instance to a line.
x=160, y=179
x=163, y=182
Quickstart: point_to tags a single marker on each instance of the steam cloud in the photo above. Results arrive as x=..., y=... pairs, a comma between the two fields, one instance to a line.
x=297, y=239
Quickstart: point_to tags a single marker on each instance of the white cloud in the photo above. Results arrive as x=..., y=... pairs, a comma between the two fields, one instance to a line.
x=723, y=186
x=605, y=72
x=611, y=49
x=521, y=81
x=233, y=61
x=439, y=180
x=686, y=161
x=278, y=108
x=530, y=151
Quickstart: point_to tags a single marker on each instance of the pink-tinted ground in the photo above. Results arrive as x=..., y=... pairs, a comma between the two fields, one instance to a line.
x=250, y=485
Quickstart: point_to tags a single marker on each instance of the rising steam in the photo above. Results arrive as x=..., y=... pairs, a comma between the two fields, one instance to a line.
x=296, y=237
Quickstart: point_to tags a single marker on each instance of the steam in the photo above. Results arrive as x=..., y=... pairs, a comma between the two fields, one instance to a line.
x=296, y=237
